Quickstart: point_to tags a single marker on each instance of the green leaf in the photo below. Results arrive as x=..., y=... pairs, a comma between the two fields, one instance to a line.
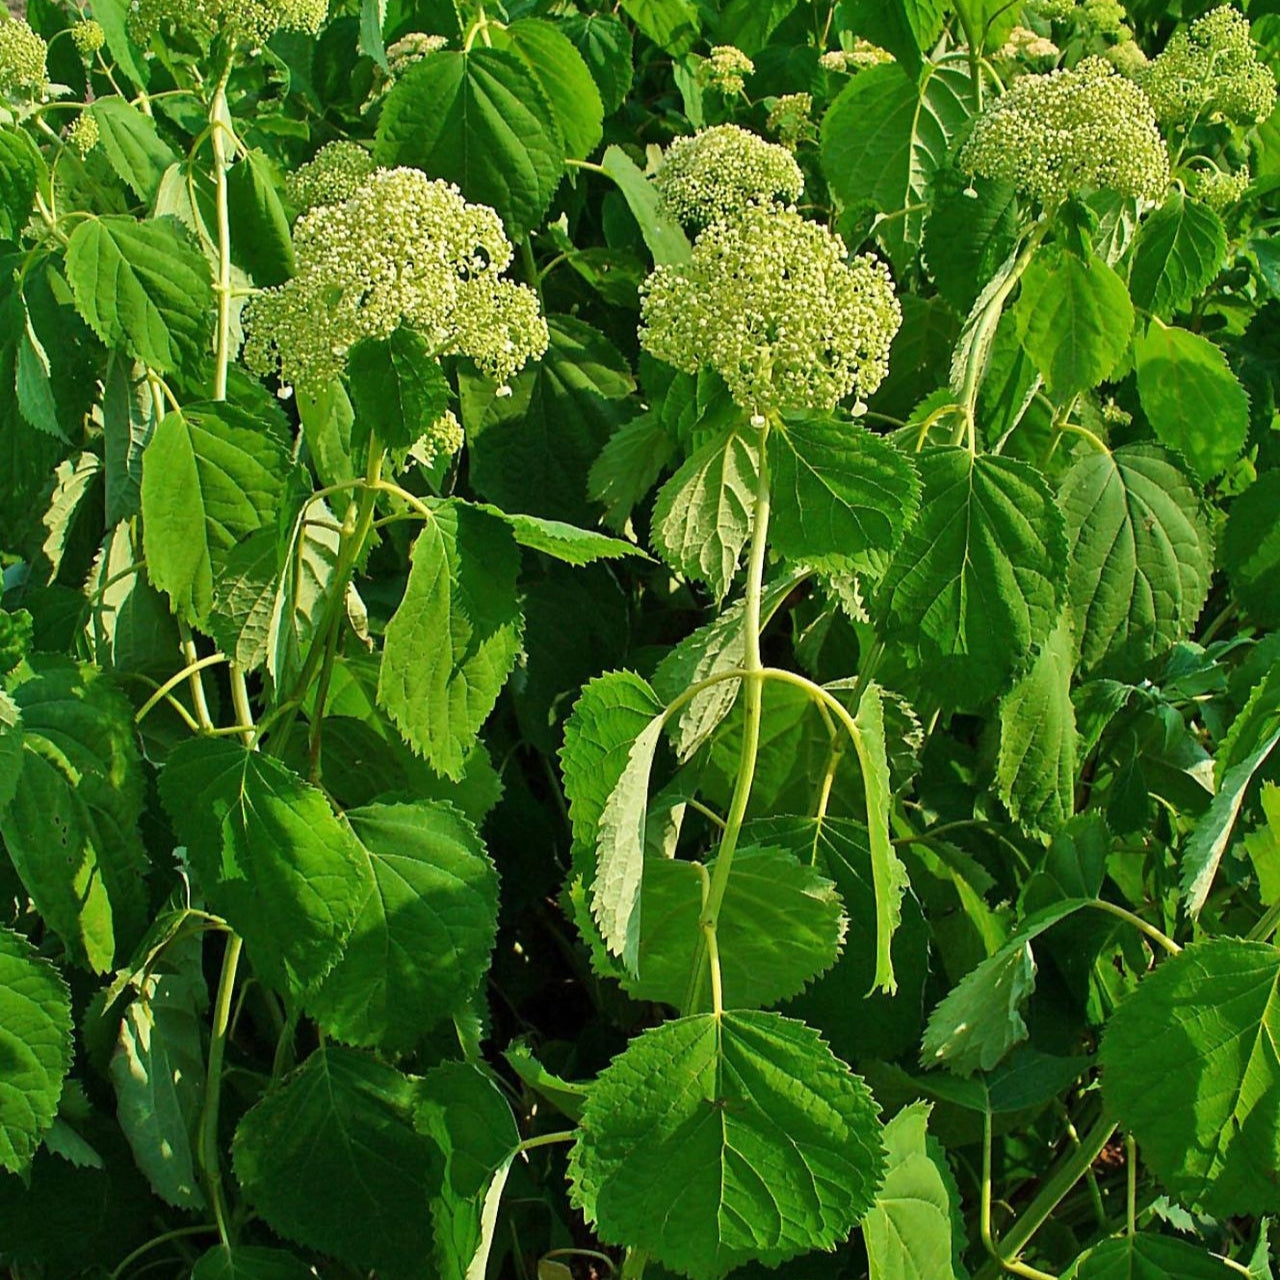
x=71, y=827
x=1263, y=845
x=906, y=28
x=977, y=1024
x=885, y=137
x=909, y=1229
x=129, y=419
x=35, y=1048
x=781, y=924
x=136, y=151
x=1075, y=318
x=840, y=494
x=270, y=856
x=976, y=582
x=671, y=24
x=397, y=388
x=565, y=542
x=1195, y=404
x=301, y=593
x=1141, y=556
x=143, y=286
x=331, y=1160
x=479, y=119
x=662, y=233
x=1179, y=251
x=748, y=24
x=212, y=475
x=453, y=641
x=20, y=166
x=260, y=239
x=249, y=1262
x=1036, y=771
x=605, y=45
x=715, y=1140
x=1251, y=549
x=1202, y=1094
x=76, y=481
x=971, y=229
x=10, y=749
x=563, y=77
x=421, y=941
x=702, y=518
x=1149, y=1257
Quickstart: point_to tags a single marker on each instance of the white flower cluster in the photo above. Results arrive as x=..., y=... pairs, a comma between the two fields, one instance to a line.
x=863, y=54
x=774, y=304
x=1053, y=10
x=442, y=439
x=22, y=58
x=1025, y=43
x=726, y=70
x=403, y=249
x=1211, y=68
x=718, y=172
x=403, y=53
x=337, y=172
x=251, y=22
x=788, y=118
x=1058, y=134
x=1218, y=188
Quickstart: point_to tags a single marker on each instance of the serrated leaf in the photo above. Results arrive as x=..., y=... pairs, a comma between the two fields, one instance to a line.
x=454, y=638
x=1202, y=1094
x=629, y=465
x=270, y=856
x=300, y=593
x=748, y=24
x=20, y=165
x=781, y=924
x=479, y=119
x=1141, y=556
x=1251, y=549
x=1195, y=404
x=397, y=387
x=712, y=1141
x=604, y=42
x=1263, y=845
x=702, y=518
x=260, y=239
x=132, y=144
x=35, y=1048
x=249, y=1262
x=1179, y=251
x=840, y=494
x=330, y=1159
x=129, y=418
x=906, y=28
x=977, y=580
x=143, y=286
x=244, y=597
x=971, y=229
x=564, y=542
x=671, y=24
x=1075, y=318
x=75, y=481
x=1145, y=1256
x=421, y=940
x=662, y=233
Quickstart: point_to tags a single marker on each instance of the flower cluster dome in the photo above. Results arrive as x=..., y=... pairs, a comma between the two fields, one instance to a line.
x=336, y=173
x=250, y=22
x=22, y=58
x=1066, y=132
x=775, y=305
x=403, y=249
x=726, y=69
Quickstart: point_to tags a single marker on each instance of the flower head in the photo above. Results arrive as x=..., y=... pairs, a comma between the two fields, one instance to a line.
x=403, y=249
x=789, y=118
x=442, y=439
x=1211, y=67
x=88, y=37
x=250, y=22
x=337, y=172
x=1025, y=43
x=22, y=58
x=1104, y=17
x=1218, y=188
x=726, y=69
x=1053, y=10
x=1127, y=58
x=717, y=173
x=1070, y=131
x=82, y=133
x=774, y=304
x=403, y=53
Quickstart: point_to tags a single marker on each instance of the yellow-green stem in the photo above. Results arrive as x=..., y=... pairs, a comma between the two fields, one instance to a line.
x=218, y=128
x=207, y=1147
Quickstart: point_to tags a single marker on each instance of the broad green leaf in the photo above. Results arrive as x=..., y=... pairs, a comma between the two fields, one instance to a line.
x=35, y=1048
x=748, y=24
x=129, y=417
x=479, y=119
x=563, y=77
x=20, y=166
x=212, y=475
x=132, y=144
x=564, y=542
x=1180, y=248
x=702, y=518
x=910, y=1227
x=143, y=286
x=971, y=229
x=76, y=481
x=158, y=1071
x=1036, y=771
x=373, y=17
x=1141, y=556
x=1199, y=1086
x=249, y=1262
x=977, y=581
x=397, y=388
x=244, y=598
x=662, y=233
x=628, y=467
x=781, y=924
x=10, y=749
x=454, y=638
x=604, y=42
x=270, y=856
x=609, y=715
x=1149, y=1257
x=421, y=940
x=906, y=28
x=1251, y=549
x=71, y=826
x=840, y=494
x=885, y=137
x=980, y=1020
x=1195, y=404
x=673, y=25
x=260, y=239
x=301, y=593
x=1075, y=318
x=331, y=1160
x=715, y=1140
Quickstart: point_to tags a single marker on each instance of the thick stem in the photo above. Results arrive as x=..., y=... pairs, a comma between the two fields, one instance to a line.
x=219, y=127
x=207, y=1145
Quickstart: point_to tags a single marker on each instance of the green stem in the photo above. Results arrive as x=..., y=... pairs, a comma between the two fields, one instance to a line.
x=548, y=1140
x=1120, y=913
x=240, y=701
x=178, y=1233
x=190, y=672
x=218, y=126
x=1131, y=1185
x=207, y=1144
x=633, y=1264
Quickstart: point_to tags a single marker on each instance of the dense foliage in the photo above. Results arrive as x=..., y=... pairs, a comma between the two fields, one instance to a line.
x=639, y=639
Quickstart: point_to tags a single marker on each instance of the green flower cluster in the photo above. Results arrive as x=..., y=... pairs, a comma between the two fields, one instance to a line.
x=1218, y=188
x=718, y=172
x=403, y=249
x=726, y=69
x=774, y=304
x=403, y=53
x=789, y=118
x=864, y=54
x=82, y=133
x=442, y=439
x=22, y=58
x=1054, y=135
x=1053, y=10
x=251, y=22
x=88, y=37
x=337, y=172
x=1211, y=68
x=1104, y=18
x=1022, y=42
